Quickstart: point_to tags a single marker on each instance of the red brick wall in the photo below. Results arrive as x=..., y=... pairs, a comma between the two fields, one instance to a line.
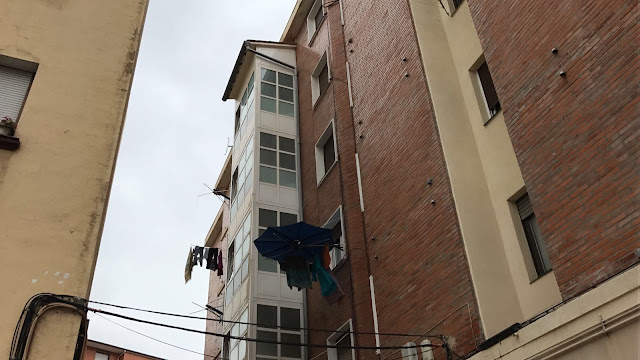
x=421, y=274
x=576, y=138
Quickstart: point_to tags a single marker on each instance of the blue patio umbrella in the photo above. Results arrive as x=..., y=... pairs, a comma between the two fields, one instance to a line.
x=296, y=240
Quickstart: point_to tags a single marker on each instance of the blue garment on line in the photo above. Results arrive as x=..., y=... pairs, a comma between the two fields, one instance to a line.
x=298, y=274
x=328, y=283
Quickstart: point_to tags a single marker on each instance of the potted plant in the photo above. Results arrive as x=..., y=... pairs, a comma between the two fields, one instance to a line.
x=7, y=126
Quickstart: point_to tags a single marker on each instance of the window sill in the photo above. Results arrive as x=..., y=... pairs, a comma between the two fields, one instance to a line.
x=322, y=94
x=10, y=143
x=315, y=34
x=541, y=276
x=493, y=117
x=326, y=174
x=456, y=9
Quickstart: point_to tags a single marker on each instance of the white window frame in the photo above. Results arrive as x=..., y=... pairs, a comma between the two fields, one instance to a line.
x=278, y=223
x=102, y=357
x=278, y=150
x=312, y=27
x=321, y=172
x=332, y=353
x=279, y=330
x=315, y=81
x=243, y=235
x=410, y=352
x=343, y=242
x=240, y=330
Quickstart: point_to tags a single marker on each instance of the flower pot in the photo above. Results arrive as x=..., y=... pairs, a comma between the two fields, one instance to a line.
x=6, y=131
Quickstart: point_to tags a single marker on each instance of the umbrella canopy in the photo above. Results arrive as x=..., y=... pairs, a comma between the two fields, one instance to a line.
x=301, y=239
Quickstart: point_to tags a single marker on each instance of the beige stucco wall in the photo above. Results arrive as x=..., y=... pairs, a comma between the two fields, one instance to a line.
x=54, y=189
x=483, y=169
x=604, y=323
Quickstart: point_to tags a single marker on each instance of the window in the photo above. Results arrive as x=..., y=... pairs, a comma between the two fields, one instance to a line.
x=488, y=90
x=532, y=233
x=409, y=351
x=238, y=259
x=237, y=349
x=314, y=19
x=241, y=181
x=245, y=107
x=14, y=85
x=342, y=339
x=326, y=154
x=277, y=160
x=271, y=218
x=269, y=318
x=454, y=5
x=320, y=78
x=276, y=90
x=427, y=350
x=101, y=356
x=335, y=224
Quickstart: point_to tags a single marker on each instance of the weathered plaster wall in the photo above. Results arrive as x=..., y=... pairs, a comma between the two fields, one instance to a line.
x=54, y=189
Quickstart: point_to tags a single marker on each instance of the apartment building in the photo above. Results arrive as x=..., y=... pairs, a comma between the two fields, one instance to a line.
x=66, y=69
x=217, y=237
x=96, y=350
x=476, y=166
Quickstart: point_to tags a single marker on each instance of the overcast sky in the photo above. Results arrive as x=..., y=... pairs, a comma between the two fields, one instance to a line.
x=174, y=140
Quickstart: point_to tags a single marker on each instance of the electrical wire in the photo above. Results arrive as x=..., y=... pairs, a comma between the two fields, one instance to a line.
x=158, y=340
x=256, y=324
x=227, y=336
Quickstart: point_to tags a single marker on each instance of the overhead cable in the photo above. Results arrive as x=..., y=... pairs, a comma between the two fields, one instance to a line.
x=261, y=325
x=227, y=336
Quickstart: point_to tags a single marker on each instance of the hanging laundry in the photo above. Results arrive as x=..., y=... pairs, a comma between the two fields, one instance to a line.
x=199, y=254
x=212, y=259
x=220, y=273
x=298, y=273
x=337, y=294
x=188, y=268
x=326, y=257
x=328, y=283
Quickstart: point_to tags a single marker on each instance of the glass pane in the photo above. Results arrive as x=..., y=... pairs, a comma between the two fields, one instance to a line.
x=235, y=331
x=242, y=350
x=243, y=318
x=268, y=75
x=286, y=109
x=234, y=354
x=267, y=316
x=237, y=281
x=287, y=161
x=250, y=85
x=267, y=104
x=245, y=96
x=285, y=79
x=288, y=179
x=245, y=246
x=323, y=78
x=268, y=140
x=287, y=145
x=290, y=350
x=265, y=264
x=268, y=90
x=289, y=318
x=285, y=94
x=264, y=348
x=267, y=218
x=287, y=219
x=246, y=228
x=245, y=270
x=268, y=157
x=268, y=175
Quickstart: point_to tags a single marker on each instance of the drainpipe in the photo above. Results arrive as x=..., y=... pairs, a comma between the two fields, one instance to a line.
x=296, y=117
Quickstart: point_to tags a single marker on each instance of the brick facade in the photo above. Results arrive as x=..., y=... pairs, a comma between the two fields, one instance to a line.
x=417, y=259
x=575, y=137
